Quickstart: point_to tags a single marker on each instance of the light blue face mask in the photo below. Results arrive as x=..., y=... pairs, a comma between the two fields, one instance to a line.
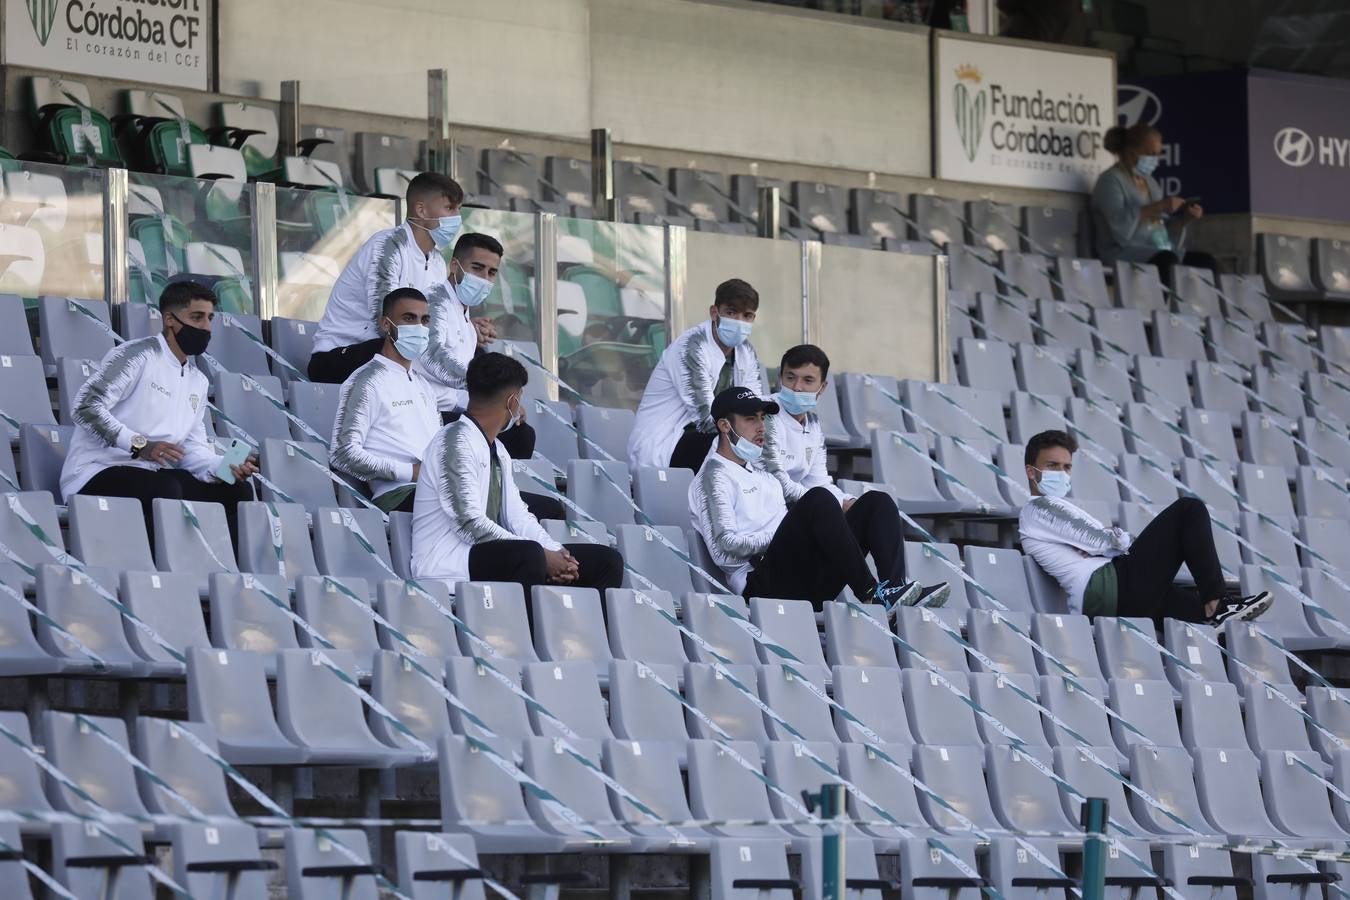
x=733, y=332
x=746, y=450
x=1146, y=164
x=797, y=402
x=444, y=234
x=1054, y=483
x=473, y=290
x=412, y=340
x=515, y=416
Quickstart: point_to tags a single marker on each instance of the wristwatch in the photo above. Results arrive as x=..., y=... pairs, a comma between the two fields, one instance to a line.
x=138, y=443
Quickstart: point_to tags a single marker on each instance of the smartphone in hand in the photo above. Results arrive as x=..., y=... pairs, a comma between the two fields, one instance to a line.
x=236, y=451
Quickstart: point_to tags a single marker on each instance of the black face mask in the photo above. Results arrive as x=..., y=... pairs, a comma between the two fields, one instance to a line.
x=191, y=339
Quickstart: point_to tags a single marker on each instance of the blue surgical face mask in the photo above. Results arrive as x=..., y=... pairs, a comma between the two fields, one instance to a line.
x=797, y=402
x=746, y=450
x=732, y=332
x=515, y=416
x=445, y=232
x=1146, y=164
x=411, y=341
x=473, y=290
x=1054, y=483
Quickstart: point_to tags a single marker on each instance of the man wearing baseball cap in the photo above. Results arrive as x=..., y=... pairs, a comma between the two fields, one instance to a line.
x=766, y=549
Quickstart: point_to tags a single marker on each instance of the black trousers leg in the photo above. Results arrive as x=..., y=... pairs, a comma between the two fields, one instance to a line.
x=337, y=365
x=518, y=441
x=521, y=562
x=1182, y=533
x=691, y=449
x=542, y=506
x=812, y=556
x=598, y=567
x=1165, y=260
x=876, y=527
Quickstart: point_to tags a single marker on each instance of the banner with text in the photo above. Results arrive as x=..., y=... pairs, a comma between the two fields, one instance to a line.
x=1019, y=115
x=159, y=41
x=1298, y=130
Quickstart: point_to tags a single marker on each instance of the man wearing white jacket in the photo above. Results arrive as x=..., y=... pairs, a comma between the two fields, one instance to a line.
x=140, y=428
x=1105, y=571
x=469, y=521
x=674, y=426
x=809, y=551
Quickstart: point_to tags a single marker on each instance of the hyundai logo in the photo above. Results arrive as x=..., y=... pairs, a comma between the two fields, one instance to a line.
x=1135, y=104
x=1294, y=147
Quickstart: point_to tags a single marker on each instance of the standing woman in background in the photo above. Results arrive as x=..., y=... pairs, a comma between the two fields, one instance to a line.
x=1131, y=215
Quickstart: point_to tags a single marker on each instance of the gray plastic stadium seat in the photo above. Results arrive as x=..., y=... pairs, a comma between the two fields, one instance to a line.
x=316, y=405
x=1271, y=723
x=937, y=716
x=71, y=374
x=303, y=483
x=1030, y=417
x=23, y=783
x=1092, y=482
x=1083, y=281
x=1005, y=318
x=321, y=602
x=1329, y=707
x=1147, y=705
x=923, y=565
x=870, y=692
x=702, y=615
x=315, y=868
x=821, y=206
x=23, y=393
x=1040, y=370
x=487, y=697
x=937, y=218
x=863, y=766
x=1229, y=788
x=1187, y=641
x=20, y=652
x=1123, y=652
x=637, y=632
x=1211, y=716
x=803, y=710
x=972, y=269
x=851, y=640
x=168, y=604
x=569, y=626
x=1267, y=542
x=1208, y=484
x=993, y=224
x=792, y=625
x=228, y=691
x=907, y=473
x=178, y=546
x=249, y=408
x=721, y=788
x=1281, y=390
x=746, y=869
x=68, y=334
x=1196, y=290
x=68, y=598
x=1178, y=336
x=876, y=213
x=495, y=611
x=256, y=553
x=1046, y=594
x=1326, y=441
x=76, y=749
x=16, y=340
x=338, y=551
x=1139, y=287
x=1168, y=775
x=480, y=799
x=1288, y=342
x=977, y=479
x=85, y=864
x=643, y=551
x=562, y=775
x=1026, y=274
x=1069, y=639
x=1024, y=798
x=208, y=859
x=554, y=440
x=1246, y=642
x=589, y=488
x=1154, y=426
x=511, y=173
x=1265, y=488
x=640, y=709
x=1235, y=343
x=17, y=537
x=1318, y=585
x=864, y=406
x=399, y=687
x=1296, y=799
x=663, y=494
x=233, y=349
x=1212, y=434
x=427, y=860
x=1101, y=422
x=1064, y=323
x=1324, y=537
x=243, y=619
x=1265, y=444
x=293, y=340
x=318, y=712
x=1123, y=328
x=947, y=771
x=400, y=541
x=995, y=693
x=991, y=632
x=920, y=628
x=1078, y=769
x=1245, y=297
x=986, y=365
x=985, y=406
x=1000, y=572
x=831, y=418
x=1331, y=266
x=1078, y=712
x=703, y=193
x=1050, y=229
x=607, y=427
x=571, y=691
x=1018, y=875
x=925, y=876
x=710, y=693
x=1161, y=380
x=788, y=766
x=160, y=746
x=571, y=182
x=9, y=478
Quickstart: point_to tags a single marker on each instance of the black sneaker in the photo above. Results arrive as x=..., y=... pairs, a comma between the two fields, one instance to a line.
x=933, y=596
x=895, y=597
x=1242, y=609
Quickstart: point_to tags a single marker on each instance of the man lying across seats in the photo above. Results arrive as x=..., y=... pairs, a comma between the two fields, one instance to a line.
x=794, y=453
x=408, y=255
x=469, y=521
x=674, y=425
x=1105, y=571
x=387, y=411
x=809, y=551
x=140, y=427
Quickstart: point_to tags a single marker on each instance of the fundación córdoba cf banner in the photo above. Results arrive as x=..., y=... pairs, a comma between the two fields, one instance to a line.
x=1020, y=114
x=159, y=41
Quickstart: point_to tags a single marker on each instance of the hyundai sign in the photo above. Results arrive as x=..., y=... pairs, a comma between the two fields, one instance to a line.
x=1298, y=138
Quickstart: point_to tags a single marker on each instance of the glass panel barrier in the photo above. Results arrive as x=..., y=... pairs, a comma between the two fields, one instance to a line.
x=318, y=231
x=513, y=305
x=187, y=226
x=51, y=231
x=611, y=308
x=895, y=331
x=774, y=268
